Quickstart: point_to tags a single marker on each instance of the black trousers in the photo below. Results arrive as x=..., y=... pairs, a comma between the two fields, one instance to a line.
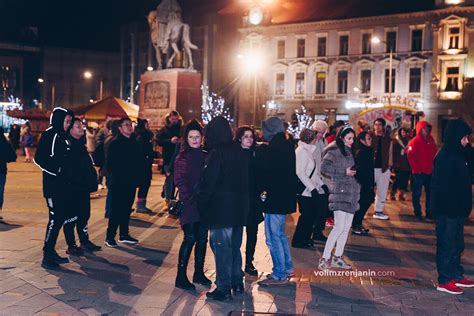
x=143, y=189
x=252, y=231
x=59, y=215
x=304, y=227
x=401, y=180
x=366, y=199
x=195, y=235
x=449, y=248
x=322, y=209
x=122, y=201
x=82, y=209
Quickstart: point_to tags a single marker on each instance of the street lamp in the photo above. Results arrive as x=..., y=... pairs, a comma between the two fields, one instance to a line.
x=53, y=91
x=88, y=75
x=376, y=40
x=252, y=63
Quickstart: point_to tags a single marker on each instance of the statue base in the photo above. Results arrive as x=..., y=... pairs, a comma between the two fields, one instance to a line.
x=162, y=91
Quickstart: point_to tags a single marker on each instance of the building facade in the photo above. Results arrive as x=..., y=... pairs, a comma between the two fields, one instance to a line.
x=340, y=69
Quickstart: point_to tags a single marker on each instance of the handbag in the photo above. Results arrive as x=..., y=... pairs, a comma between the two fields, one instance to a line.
x=176, y=206
x=300, y=187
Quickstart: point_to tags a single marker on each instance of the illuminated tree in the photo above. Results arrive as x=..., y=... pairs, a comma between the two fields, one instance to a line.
x=213, y=106
x=300, y=120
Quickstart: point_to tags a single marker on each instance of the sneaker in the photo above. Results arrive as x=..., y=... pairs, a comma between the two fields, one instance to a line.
x=128, y=240
x=50, y=264
x=329, y=222
x=273, y=282
x=357, y=231
x=238, y=289
x=450, y=288
x=219, y=295
x=324, y=264
x=111, y=243
x=75, y=251
x=290, y=275
x=365, y=231
x=250, y=269
x=56, y=257
x=380, y=215
x=90, y=246
x=338, y=262
x=464, y=283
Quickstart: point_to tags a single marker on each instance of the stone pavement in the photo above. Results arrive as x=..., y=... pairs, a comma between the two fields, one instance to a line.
x=140, y=280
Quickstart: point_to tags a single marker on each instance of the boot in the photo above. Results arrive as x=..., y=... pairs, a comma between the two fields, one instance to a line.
x=392, y=196
x=141, y=207
x=250, y=269
x=401, y=195
x=199, y=255
x=182, y=281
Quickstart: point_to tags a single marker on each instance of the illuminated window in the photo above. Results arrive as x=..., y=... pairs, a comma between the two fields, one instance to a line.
x=321, y=46
x=452, y=76
x=320, y=82
x=280, y=84
x=342, y=82
x=343, y=45
x=300, y=48
x=281, y=49
x=299, y=85
x=454, y=35
x=416, y=40
x=366, y=43
x=387, y=80
x=415, y=80
x=365, y=81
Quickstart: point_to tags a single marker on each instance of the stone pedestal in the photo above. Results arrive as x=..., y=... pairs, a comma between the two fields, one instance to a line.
x=162, y=91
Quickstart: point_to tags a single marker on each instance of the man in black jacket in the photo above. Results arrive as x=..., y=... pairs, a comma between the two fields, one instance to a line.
x=451, y=203
x=123, y=169
x=224, y=205
x=51, y=156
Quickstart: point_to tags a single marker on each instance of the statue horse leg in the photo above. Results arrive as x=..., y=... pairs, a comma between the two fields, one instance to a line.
x=175, y=52
x=186, y=41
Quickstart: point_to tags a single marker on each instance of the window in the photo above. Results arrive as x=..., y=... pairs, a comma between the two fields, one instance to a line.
x=343, y=45
x=321, y=46
x=453, y=79
x=454, y=37
x=281, y=49
x=391, y=41
x=280, y=84
x=299, y=86
x=415, y=80
x=300, y=48
x=342, y=82
x=320, y=82
x=416, y=40
x=365, y=81
x=342, y=117
x=366, y=43
x=387, y=80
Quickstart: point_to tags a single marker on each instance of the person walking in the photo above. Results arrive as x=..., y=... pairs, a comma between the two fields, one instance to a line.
x=123, y=167
x=224, y=205
x=383, y=148
x=50, y=157
x=339, y=167
x=188, y=166
x=245, y=137
x=276, y=179
x=365, y=175
x=421, y=153
x=7, y=154
x=27, y=140
x=451, y=202
x=400, y=165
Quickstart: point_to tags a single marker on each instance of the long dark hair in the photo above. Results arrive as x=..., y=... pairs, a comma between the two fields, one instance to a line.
x=239, y=133
x=340, y=139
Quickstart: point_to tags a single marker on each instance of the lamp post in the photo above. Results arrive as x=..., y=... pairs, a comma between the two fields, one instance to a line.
x=53, y=91
x=377, y=40
x=88, y=75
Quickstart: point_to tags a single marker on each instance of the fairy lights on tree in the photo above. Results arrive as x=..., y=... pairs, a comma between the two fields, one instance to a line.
x=213, y=106
x=300, y=120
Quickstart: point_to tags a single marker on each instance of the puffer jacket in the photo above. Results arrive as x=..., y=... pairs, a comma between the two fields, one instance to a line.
x=305, y=164
x=344, y=190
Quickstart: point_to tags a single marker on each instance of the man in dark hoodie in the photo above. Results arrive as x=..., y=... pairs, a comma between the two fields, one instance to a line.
x=223, y=204
x=51, y=156
x=451, y=204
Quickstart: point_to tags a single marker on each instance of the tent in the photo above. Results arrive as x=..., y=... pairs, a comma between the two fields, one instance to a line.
x=108, y=107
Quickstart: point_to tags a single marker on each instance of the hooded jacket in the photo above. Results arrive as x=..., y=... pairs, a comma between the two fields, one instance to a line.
x=124, y=162
x=223, y=199
x=421, y=151
x=52, y=151
x=163, y=139
x=451, y=190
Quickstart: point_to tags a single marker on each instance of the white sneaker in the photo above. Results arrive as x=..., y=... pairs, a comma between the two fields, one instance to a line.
x=324, y=264
x=380, y=215
x=338, y=262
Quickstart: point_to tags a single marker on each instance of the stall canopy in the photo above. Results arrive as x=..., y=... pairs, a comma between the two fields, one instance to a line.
x=109, y=107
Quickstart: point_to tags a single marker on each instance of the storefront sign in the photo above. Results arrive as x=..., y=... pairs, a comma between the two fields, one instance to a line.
x=395, y=116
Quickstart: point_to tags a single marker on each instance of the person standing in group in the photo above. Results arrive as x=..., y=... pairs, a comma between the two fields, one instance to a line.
x=339, y=167
x=7, y=154
x=383, y=147
x=245, y=137
x=124, y=167
x=188, y=167
x=321, y=199
x=451, y=202
x=224, y=205
x=27, y=140
x=114, y=132
x=50, y=157
x=79, y=174
x=14, y=136
x=100, y=137
x=168, y=138
x=144, y=136
x=400, y=164
x=365, y=175
x=421, y=152
x=276, y=178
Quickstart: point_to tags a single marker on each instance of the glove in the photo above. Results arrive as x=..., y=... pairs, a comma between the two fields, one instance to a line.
x=325, y=188
x=314, y=193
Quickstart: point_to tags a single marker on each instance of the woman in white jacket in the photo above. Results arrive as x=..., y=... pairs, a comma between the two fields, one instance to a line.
x=307, y=189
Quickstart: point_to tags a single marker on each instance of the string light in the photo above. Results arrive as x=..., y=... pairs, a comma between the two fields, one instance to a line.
x=213, y=106
x=304, y=121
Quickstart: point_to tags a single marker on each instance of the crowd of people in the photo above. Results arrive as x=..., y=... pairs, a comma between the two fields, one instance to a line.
x=227, y=181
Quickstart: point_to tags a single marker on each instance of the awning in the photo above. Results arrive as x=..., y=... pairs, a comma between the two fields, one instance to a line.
x=110, y=107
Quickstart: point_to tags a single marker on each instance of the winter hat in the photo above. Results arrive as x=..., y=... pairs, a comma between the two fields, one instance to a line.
x=319, y=124
x=271, y=127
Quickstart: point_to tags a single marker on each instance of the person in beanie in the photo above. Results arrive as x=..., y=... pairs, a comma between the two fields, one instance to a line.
x=276, y=180
x=400, y=164
x=339, y=167
x=224, y=205
x=50, y=157
x=451, y=203
x=188, y=167
x=421, y=153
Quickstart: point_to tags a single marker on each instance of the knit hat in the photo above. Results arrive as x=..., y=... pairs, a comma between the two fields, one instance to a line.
x=320, y=125
x=272, y=126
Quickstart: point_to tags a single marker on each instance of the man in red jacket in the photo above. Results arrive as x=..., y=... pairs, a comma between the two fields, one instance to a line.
x=421, y=153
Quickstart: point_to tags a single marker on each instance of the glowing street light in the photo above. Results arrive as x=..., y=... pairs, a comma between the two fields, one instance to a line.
x=256, y=15
x=376, y=40
x=87, y=74
x=149, y=68
x=40, y=80
x=252, y=63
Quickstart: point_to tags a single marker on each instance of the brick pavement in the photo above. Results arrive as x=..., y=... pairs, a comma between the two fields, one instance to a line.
x=140, y=279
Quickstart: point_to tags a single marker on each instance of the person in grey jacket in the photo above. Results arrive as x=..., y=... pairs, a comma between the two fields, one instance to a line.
x=339, y=167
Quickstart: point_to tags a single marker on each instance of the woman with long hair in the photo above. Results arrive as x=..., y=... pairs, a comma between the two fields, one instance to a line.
x=400, y=164
x=339, y=167
x=26, y=140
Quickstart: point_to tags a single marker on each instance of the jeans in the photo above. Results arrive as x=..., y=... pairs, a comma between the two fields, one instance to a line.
x=449, y=248
x=382, y=180
x=122, y=201
x=421, y=180
x=339, y=234
x=225, y=244
x=304, y=227
x=365, y=201
x=3, y=180
x=278, y=245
